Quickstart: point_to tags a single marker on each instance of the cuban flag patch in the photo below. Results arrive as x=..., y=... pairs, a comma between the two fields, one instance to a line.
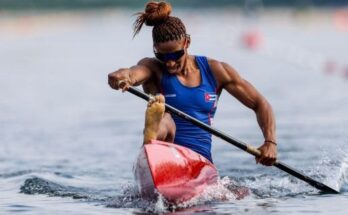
x=210, y=97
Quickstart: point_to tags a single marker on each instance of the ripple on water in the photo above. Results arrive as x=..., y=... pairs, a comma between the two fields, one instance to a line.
x=29, y=171
x=19, y=208
x=38, y=185
x=279, y=185
x=229, y=189
x=15, y=174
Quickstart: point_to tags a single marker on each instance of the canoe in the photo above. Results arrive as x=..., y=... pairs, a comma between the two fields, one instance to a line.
x=175, y=172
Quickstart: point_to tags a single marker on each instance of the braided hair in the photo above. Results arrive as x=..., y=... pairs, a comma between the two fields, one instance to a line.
x=165, y=27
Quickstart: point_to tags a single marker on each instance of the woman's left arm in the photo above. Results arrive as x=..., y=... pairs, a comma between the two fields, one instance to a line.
x=229, y=79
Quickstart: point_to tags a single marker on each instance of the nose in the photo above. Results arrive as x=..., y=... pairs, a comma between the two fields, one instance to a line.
x=170, y=63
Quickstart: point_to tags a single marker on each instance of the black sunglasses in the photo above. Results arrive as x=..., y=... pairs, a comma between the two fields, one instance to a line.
x=174, y=56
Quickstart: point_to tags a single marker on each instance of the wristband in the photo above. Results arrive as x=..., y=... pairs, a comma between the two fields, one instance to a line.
x=270, y=141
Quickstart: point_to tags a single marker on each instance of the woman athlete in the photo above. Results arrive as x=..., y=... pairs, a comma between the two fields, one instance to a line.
x=189, y=83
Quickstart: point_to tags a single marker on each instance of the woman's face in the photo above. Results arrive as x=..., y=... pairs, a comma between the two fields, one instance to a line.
x=172, y=54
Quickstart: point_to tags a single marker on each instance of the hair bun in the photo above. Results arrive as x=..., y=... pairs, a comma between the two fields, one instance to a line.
x=156, y=12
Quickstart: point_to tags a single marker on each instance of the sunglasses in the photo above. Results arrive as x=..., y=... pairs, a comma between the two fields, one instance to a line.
x=174, y=56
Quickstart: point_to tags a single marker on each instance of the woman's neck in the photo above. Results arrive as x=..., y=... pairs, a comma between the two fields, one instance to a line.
x=189, y=66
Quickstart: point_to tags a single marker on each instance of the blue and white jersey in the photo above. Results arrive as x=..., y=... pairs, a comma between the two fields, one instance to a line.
x=199, y=102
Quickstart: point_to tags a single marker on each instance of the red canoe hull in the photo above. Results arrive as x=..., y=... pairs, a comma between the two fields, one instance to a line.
x=174, y=171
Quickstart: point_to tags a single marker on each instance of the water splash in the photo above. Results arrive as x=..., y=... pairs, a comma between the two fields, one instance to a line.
x=130, y=198
x=333, y=170
x=225, y=190
x=276, y=186
x=343, y=173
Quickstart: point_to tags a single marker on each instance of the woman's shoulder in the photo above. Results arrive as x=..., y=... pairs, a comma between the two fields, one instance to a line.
x=222, y=71
x=212, y=63
x=151, y=63
x=216, y=66
x=219, y=66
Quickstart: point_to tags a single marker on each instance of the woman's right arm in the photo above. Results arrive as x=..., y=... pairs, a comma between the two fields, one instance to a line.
x=125, y=77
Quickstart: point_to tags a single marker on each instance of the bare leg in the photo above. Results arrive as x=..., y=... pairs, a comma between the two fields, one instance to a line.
x=167, y=129
x=158, y=125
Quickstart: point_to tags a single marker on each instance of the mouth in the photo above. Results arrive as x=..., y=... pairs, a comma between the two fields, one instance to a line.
x=173, y=69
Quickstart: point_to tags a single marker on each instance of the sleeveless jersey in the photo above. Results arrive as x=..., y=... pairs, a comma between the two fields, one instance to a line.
x=199, y=102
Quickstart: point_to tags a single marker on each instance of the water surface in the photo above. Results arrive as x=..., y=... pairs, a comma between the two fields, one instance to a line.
x=68, y=142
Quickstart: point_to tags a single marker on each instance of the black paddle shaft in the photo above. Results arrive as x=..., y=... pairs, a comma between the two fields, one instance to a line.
x=237, y=143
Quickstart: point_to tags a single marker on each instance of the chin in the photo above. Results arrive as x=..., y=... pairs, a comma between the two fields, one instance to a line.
x=172, y=71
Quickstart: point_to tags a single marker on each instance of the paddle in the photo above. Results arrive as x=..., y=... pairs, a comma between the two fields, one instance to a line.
x=239, y=144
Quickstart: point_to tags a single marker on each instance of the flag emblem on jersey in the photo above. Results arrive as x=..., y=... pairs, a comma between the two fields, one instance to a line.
x=210, y=97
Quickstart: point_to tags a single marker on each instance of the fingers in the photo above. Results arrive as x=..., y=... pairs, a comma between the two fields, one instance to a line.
x=266, y=160
x=120, y=79
x=268, y=154
x=119, y=84
x=152, y=100
x=123, y=85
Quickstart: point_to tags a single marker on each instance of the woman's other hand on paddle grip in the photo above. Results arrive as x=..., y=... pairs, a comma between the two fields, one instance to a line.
x=268, y=154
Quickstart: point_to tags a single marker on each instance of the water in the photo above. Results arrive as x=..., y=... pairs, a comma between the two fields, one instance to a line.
x=68, y=142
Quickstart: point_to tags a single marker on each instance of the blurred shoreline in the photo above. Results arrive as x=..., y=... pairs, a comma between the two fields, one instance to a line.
x=313, y=15
x=94, y=4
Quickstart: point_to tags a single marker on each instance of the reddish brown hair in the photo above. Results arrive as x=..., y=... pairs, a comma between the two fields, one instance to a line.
x=165, y=27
